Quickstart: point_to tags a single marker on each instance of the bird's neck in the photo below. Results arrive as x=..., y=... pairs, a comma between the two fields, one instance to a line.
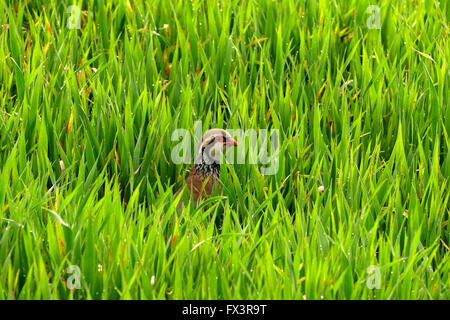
x=206, y=168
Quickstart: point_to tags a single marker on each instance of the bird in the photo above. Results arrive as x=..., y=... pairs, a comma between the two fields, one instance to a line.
x=205, y=172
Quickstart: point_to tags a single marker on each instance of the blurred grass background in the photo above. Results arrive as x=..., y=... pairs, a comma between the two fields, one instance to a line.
x=86, y=177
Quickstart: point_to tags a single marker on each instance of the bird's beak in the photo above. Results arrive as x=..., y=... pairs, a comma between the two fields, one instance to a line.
x=231, y=142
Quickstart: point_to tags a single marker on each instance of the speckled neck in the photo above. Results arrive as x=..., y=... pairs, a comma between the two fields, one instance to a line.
x=206, y=167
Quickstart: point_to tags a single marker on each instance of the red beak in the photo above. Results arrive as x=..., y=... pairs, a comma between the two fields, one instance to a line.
x=231, y=142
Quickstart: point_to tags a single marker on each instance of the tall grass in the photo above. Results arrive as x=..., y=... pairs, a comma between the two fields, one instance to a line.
x=86, y=177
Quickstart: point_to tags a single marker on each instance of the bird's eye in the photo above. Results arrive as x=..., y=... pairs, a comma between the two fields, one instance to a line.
x=219, y=139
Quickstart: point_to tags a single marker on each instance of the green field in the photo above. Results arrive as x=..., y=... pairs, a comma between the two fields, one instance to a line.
x=87, y=184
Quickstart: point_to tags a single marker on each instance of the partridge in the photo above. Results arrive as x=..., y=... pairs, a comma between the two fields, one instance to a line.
x=206, y=169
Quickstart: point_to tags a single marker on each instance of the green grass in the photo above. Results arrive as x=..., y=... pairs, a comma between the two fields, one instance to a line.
x=363, y=112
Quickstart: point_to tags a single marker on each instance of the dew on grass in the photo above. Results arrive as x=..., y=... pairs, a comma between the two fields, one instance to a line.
x=152, y=281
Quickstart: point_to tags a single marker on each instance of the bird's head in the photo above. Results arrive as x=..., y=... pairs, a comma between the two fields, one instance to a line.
x=214, y=142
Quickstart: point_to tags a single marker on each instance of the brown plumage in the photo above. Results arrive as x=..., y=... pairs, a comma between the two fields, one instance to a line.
x=205, y=172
